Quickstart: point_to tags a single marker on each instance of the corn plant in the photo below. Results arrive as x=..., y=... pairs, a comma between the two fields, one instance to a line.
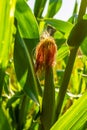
x=43, y=67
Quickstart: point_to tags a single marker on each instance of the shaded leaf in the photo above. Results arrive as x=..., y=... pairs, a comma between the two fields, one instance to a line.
x=78, y=34
x=39, y=7
x=31, y=44
x=20, y=60
x=24, y=68
x=73, y=18
x=4, y=124
x=2, y=75
x=14, y=98
x=75, y=8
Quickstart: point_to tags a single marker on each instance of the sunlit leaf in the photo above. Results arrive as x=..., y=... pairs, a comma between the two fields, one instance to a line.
x=75, y=117
x=26, y=21
x=62, y=26
x=85, y=17
x=62, y=52
x=59, y=38
x=6, y=30
x=84, y=46
x=54, y=6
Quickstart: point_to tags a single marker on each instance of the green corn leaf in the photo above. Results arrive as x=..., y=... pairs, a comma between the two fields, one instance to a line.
x=26, y=21
x=16, y=96
x=73, y=18
x=75, y=8
x=62, y=26
x=75, y=117
x=28, y=29
x=59, y=38
x=62, y=52
x=39, y=7
x=7, y=8
x=78, y=34
x=6, y=29
x=53, y=8
x=24, y=68
x=4, y=124
x=84, y=43
x=84, y=46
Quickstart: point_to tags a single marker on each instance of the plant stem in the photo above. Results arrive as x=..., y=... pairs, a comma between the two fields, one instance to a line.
x=48, y=104
x=65, y=82
x=82, y=9
x=69, y=66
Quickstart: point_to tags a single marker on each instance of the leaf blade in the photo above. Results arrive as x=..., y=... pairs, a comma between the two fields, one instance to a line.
x=62, y=26
x=27, y=23
x=39, y=7
x=73, y=115
x=6, y=30
x=53, y=7
x=78, y=33
x=4, y=124
x=24, y=68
